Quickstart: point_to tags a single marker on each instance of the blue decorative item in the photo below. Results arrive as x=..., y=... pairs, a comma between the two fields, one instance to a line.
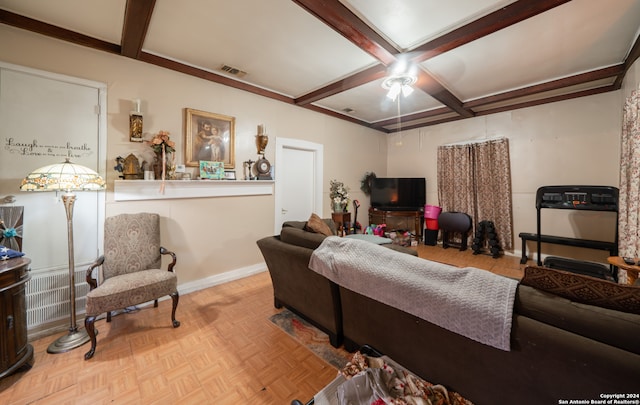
x=11, y=227
x=6, y=253
x=10, y=233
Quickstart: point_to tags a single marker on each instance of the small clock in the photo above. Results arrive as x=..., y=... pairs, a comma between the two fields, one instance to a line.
x=263, y=168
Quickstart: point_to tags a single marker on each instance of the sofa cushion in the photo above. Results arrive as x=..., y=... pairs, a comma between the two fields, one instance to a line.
x=584, y=289
x=378, y=240
x=294, y=224
x=300, y=237
x=318, y=225
x=615, y=328
x=401, y=249
x=302, y=224
x=123, y=290
x=386, y=242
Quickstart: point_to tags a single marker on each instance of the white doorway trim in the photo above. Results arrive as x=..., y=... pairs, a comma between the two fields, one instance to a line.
x=317, y=150
x=41, y=263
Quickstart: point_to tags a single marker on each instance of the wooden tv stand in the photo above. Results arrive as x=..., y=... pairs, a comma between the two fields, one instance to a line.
x=413, y=221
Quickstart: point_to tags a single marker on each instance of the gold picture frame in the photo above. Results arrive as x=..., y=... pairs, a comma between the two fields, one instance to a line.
x=209, y=137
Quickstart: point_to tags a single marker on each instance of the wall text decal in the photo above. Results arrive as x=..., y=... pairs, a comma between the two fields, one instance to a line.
x=35, y=148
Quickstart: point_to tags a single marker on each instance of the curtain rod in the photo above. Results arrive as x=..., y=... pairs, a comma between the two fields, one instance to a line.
x=471, y=142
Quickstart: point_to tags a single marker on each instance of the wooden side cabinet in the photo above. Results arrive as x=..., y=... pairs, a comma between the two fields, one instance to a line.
x=15, y=352
x=342, y=219
x=409, y=220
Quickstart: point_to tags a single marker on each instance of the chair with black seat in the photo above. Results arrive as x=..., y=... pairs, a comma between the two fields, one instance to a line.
x=131, y=272
x=452, y=224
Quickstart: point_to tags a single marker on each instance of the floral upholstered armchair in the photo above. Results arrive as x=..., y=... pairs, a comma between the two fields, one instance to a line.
x=131, y=273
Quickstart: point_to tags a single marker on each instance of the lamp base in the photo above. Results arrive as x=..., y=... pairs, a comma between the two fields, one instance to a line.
x=70, y=341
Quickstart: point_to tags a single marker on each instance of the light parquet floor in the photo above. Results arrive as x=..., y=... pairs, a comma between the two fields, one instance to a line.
x=225, y=352
x=506, y=265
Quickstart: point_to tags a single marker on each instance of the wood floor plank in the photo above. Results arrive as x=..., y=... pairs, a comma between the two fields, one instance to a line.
x=225, y=352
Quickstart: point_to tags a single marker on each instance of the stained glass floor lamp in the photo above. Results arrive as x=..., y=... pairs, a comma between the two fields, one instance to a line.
x=66, y=177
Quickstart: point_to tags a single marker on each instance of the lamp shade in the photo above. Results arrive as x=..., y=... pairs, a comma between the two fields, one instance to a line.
x=394, y=90
x=65, y=176
x=398, y=83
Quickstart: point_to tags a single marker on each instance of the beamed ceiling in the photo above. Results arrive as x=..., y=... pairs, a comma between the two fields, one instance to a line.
x=472, y=57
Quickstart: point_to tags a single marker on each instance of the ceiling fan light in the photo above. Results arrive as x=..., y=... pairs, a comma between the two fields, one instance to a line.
x=406, y=90
x=397, y=84
x=394, y=91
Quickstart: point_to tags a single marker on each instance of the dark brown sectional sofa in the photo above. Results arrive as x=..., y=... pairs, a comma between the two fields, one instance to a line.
x=561, y=349
x=301, y=290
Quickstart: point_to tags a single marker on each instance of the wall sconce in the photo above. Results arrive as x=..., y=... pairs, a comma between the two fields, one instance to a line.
x=135, y=123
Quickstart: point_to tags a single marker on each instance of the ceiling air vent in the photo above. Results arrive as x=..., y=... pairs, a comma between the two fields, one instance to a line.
x=233, y=71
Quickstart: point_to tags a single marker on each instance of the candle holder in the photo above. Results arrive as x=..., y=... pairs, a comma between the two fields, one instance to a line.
x=261, y=140
x=262, y=165
x=135, y=123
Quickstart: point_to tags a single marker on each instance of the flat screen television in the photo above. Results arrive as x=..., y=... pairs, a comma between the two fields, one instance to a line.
x=398, y=193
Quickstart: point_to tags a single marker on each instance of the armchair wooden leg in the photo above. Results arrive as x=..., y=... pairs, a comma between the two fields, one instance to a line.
x=175, y=297
x=91, y=331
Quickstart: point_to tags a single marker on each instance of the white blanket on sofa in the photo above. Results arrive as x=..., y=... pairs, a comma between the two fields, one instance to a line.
x=471, y=302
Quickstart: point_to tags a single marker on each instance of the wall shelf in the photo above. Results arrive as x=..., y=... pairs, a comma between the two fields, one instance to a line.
x=136, y=190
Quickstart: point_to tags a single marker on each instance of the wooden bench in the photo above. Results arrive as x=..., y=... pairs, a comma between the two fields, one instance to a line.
x=612, y=247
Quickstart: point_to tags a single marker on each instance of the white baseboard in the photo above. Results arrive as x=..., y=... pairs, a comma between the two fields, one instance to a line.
x=186, y=288
x=222, y=278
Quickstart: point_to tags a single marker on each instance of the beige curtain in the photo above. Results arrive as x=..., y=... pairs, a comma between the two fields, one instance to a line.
x=475, y=178
x=455, y=173
x=629, y=202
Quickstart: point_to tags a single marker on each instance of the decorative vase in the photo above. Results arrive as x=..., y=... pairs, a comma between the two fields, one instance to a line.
x=261, y=140
x=261, y=143
x=339, y=207
x=158, y=164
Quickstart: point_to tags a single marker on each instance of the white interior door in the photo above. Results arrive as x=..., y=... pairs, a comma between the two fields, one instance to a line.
x=46, y=118
x=298, y=176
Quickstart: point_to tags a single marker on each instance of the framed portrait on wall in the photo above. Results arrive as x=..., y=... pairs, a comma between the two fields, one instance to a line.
x=209, y=137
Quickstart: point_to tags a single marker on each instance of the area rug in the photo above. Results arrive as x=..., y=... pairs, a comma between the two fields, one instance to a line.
x=311, y=337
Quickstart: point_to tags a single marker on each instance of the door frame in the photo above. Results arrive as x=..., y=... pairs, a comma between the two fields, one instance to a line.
x=318, y=159
x=101, y=119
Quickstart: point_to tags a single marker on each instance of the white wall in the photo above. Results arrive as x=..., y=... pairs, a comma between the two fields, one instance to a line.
x=564, y=143
x=631, y=80
x=211, y=236
x=569, y=142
